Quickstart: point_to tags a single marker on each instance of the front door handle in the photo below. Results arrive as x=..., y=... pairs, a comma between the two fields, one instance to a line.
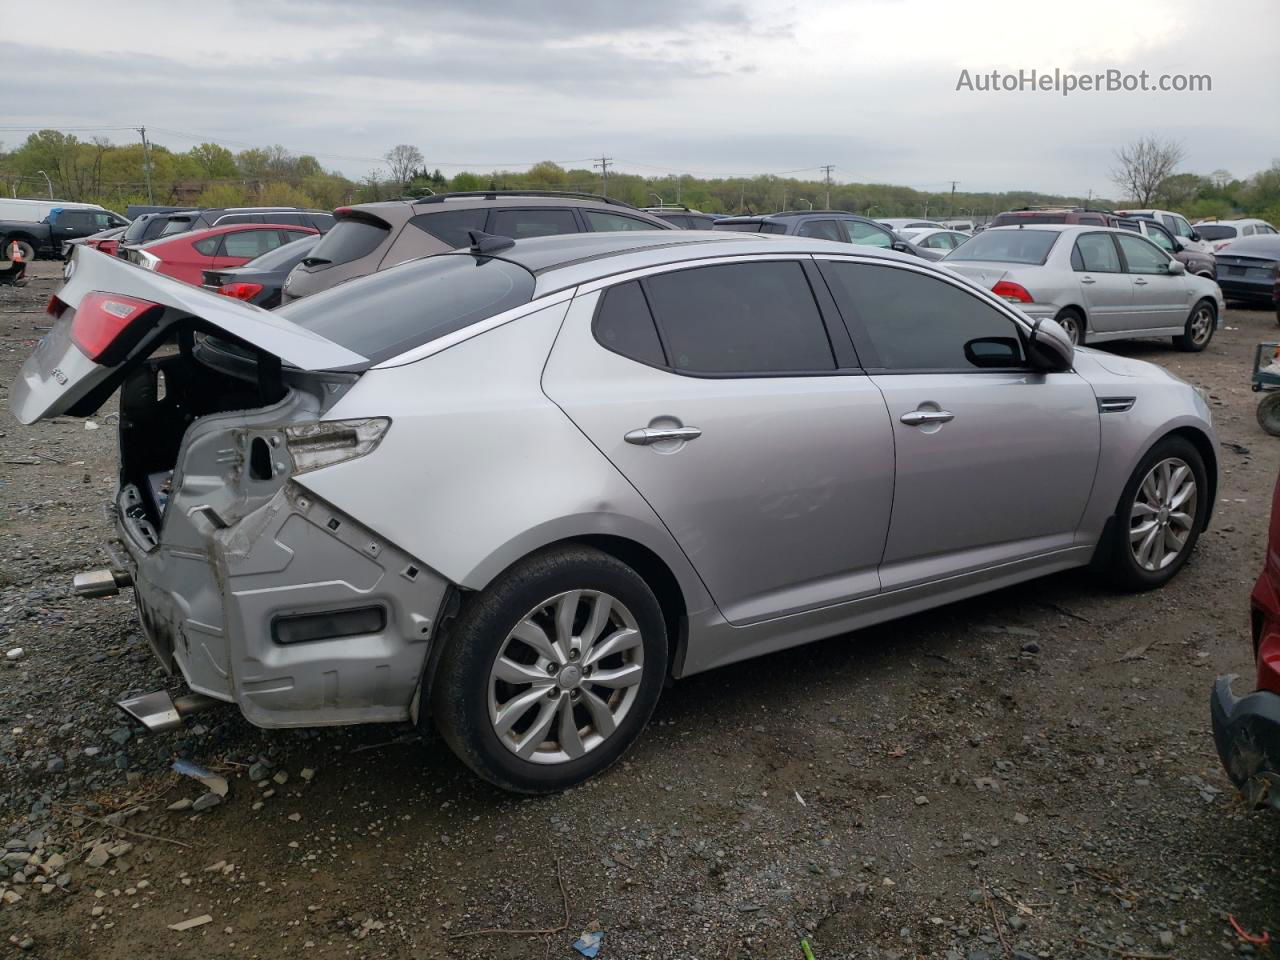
x=917, y=417
x=1140, y=282
x=645, y=436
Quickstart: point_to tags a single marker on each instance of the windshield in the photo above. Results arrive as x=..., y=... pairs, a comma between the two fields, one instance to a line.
x=1215, y=231
x=1007, y=246
x=387, y=313
x=284, y=257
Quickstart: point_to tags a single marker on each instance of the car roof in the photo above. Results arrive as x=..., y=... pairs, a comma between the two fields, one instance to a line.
x=1059, y=228
x=196, y=235
x=567, y=260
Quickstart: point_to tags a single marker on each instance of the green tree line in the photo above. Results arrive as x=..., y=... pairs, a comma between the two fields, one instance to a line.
x=211, y=175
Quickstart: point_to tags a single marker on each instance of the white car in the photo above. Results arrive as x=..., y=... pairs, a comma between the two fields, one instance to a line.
x=1177, y=224
x=1098, y=283
x=932, y=239
x=911, y=223
x=1219, y=233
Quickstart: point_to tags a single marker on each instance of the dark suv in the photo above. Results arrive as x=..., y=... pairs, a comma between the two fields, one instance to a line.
x=373, y=236
x=828, y=225
x=683, y=217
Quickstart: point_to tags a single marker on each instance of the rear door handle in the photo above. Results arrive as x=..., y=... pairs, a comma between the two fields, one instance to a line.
x=645, y=436
x=1140, y=282
x=1088, y=280
x=917, y=417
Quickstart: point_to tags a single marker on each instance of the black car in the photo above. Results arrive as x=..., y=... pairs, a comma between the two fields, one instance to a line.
x=167, y=224
x=260, y=280
x=1249, y=270
x=828, y=225
x=145, y=228
x=684, y=218
x=45, y=239
x=138, y=209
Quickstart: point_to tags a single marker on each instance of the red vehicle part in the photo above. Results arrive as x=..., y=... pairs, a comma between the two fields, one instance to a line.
x=186, y=256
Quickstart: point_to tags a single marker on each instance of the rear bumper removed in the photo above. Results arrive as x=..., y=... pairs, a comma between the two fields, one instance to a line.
x=1246, y=731
x=296, y=613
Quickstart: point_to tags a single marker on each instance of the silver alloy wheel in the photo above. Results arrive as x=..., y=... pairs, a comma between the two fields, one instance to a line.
x=566, y=676
x=1164, y=510
x=1201, y=326
x=1071, y=326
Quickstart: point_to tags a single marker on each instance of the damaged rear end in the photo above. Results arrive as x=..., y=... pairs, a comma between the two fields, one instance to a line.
x=255, y=590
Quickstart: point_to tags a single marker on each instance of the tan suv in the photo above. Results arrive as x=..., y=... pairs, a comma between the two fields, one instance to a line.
x=373, y=236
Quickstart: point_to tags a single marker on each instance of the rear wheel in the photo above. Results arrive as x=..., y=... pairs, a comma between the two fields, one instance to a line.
x=1199, y=328
x=25, y=250
x=552, y=671
x=1072, y=321
x=1159, y=517
x=1269, y=414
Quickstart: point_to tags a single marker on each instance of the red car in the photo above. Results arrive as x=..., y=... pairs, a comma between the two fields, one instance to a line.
x=186, y=256
x=1246, y=729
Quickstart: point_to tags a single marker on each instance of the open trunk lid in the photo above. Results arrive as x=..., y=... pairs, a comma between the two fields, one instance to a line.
x=111, y=314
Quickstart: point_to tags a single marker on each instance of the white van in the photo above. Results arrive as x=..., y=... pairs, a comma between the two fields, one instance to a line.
x=33, y=211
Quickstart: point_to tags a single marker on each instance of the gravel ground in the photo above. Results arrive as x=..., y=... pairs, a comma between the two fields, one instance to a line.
x=1027, y=774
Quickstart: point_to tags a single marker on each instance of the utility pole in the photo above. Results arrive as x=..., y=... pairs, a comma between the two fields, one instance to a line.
x=826, y=175
x=146, y=164
x=951, y=207
x=603, y=164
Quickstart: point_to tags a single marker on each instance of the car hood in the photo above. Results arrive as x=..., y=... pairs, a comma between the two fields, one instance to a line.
x=1095, y=365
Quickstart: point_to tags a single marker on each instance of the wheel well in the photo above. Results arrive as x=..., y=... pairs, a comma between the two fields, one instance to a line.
x=1208, y=454
x=1078, y=311
x=661, y=581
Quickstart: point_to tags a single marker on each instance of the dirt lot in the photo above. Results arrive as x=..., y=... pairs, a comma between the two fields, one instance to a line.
x=1029, y=774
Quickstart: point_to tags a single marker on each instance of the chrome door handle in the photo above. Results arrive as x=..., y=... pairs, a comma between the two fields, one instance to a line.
x=1140, y=283
x=645, y=436
x=916, y=417
x=1088, y=280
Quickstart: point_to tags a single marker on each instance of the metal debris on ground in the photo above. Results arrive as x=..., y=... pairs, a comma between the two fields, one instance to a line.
x=215, y=783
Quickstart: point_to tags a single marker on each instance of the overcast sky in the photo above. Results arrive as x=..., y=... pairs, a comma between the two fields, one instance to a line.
x=720, y=87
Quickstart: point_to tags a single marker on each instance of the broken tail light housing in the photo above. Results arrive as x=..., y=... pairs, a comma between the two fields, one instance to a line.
x=240, y=291
x=106, y=326
x=327, y=442
x=1013, y=292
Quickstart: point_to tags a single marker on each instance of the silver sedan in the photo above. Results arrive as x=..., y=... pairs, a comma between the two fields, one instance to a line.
x=1098, y=283
x=512, y=489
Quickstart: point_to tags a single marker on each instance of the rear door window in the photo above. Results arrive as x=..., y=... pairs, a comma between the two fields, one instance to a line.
x=606, y=222
x=1095, y=253
x=321, y=221
x=451, y=226
x=350, y=239
x=535, y=222
x=740, y=318
x=296, y=219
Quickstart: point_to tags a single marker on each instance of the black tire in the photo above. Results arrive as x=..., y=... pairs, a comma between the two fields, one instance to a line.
x=1119, y=565
x=1072, y=321
x=461, y=686
x=1269, y=414
x=28, y=251
x=1194, y=338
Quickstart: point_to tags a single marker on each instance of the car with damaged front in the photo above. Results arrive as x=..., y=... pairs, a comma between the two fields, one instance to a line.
x=513, y=489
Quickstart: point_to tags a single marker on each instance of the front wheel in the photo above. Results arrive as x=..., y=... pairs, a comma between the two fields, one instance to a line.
x=1199, y=328
x=1159, y=517
x=552, y=671
x=1269, y=414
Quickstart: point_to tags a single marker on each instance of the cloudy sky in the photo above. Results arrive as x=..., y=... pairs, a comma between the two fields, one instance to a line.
x=719, y=87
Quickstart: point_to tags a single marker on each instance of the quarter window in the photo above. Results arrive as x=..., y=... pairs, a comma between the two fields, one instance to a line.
x=452, y=226
x=249, y=243
x=1142, y=256
x=603, y=222
x=624, y=324
x=208, y=246
x=740, y=318
x=1095, y=253
x=911, y=321
x=823, y=229
x=519, y=224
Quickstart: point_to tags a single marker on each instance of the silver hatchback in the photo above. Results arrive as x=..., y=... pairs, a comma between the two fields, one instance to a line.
x=512, y=489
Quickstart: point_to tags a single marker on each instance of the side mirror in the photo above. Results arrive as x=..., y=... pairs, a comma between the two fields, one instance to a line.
x=1177, y=268
x=1179, y=244
x=901, y=247
x=1195, y=235
x=1048, y=346
x=997, y=352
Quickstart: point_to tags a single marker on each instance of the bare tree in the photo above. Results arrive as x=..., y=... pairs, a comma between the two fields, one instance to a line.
x=403, y=159
x=1143, y=165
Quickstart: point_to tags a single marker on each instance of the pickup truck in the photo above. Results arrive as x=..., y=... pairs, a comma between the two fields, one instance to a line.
x=45, y=239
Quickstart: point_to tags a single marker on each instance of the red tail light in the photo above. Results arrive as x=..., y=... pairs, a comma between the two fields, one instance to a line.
x=241, y=291
x=1012, y=291
x=101, y=322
